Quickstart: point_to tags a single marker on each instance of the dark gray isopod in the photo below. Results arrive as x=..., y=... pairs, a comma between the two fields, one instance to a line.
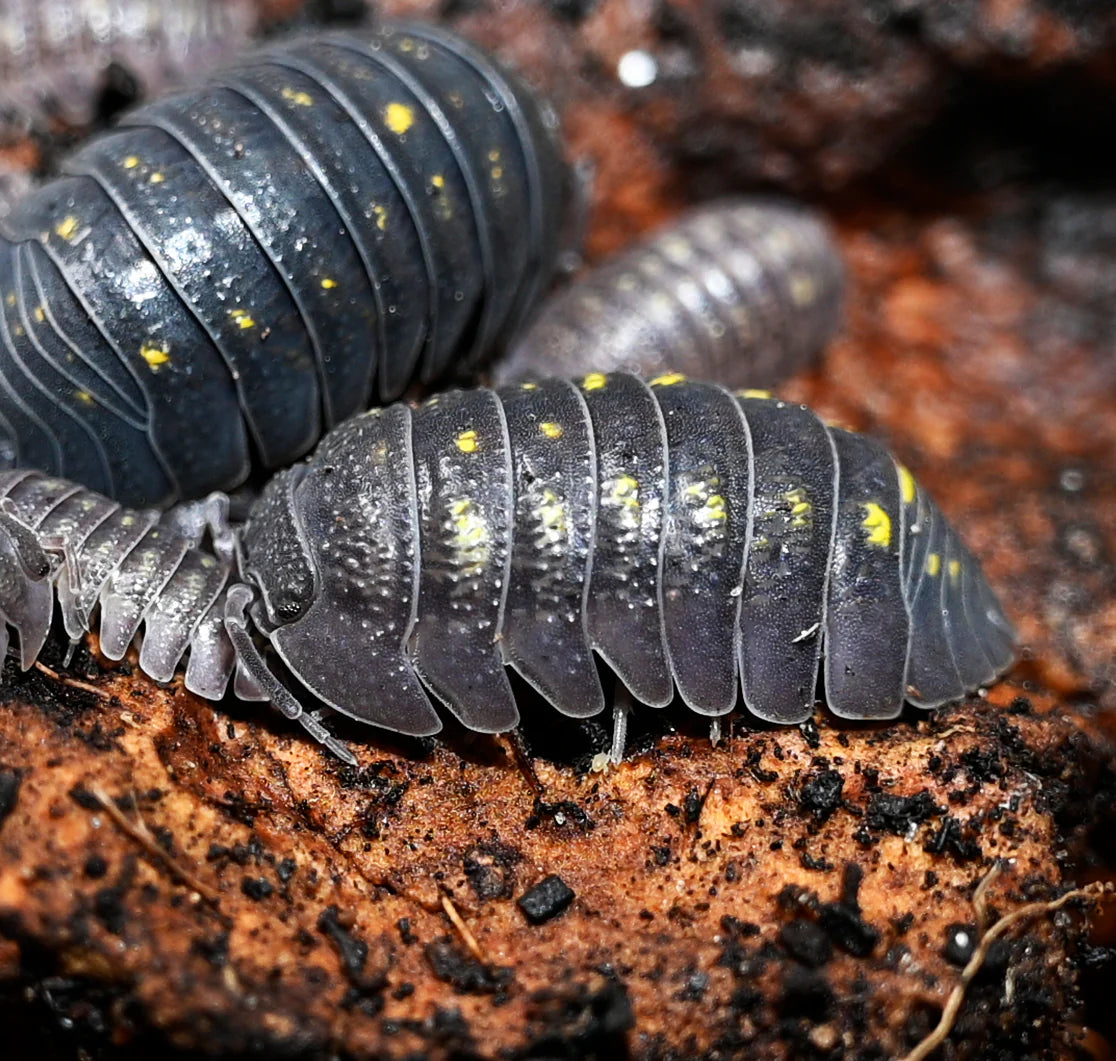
x=699, y=540
x=244, y=264
x=712, y=543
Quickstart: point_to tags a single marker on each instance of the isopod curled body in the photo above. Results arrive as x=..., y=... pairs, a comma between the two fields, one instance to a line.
x=715, y=544
x=741, y=291
x=245, y=264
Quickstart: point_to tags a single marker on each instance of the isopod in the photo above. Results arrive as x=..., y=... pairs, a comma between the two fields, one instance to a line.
x=741, y=291
x=247, y=263
x=718, y=546
x=55, y=55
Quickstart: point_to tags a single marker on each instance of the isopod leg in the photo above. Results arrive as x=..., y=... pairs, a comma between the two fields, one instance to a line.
x=249, y=658
x=621, y=709
x=192, y=519
x=26, y=594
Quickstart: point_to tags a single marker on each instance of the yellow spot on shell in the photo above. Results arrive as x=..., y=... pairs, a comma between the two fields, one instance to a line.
x=18, y=329
x=955, y=569
x=750, y=393
x=594, y=381
x=467, y=441
x=11, y=299
x=668, y=379
x=399, y=117
x=328, y=283
x=802, y=511
x=713, y=511
x=131, y=162
x=84, y=397
x=157, y=178
x=933, y=565
x=907, y=488
x=529, y=387
x=551, y=429
x=155, y=356
x=470, y=536
x=552, y=515
x=381, y=215
x=67, y=228
x=442, y=202
x=301, y=99
x=878, y=525
x=40, y=314
x=243, y=318
x=625, y=491
x=497, y=172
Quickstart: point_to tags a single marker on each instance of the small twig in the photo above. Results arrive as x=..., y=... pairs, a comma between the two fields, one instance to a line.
x=980, y=895
x=139, y=832
x=522, y=758
x=957, y=996
x=73, y=683
x=463, y=929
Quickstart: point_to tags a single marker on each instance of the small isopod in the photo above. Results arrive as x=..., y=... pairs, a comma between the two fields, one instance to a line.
x=56, y=55
x=244, y=264
x=741, y=291
x=720, y=547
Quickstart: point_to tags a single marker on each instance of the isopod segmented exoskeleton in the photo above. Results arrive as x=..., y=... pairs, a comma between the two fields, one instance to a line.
x=717, y=545
x=247, y=263
x=742, y=291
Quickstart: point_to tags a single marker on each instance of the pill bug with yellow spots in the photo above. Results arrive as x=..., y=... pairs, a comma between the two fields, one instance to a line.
x=718, y=546
x=245, y=264
x=743, y=291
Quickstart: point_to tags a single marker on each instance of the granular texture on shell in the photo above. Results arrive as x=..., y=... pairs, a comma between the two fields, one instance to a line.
x=704, y=543
x=57, y=56
x=244, y=264
x=741, y=291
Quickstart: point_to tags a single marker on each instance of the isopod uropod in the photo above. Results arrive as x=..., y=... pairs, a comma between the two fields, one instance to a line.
x=246, y=263
x=715, y=544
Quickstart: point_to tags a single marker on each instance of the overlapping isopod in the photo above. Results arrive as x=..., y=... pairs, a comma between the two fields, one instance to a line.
x=244, y=264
